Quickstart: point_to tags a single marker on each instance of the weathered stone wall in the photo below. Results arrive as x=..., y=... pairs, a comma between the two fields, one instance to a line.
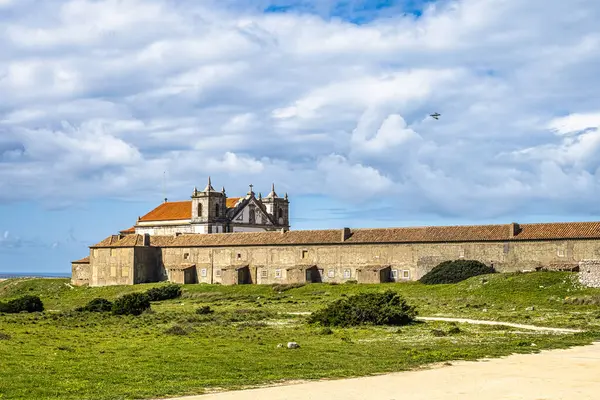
x=147, y=265
x=80, y=274
x=112, y=266
x=589, y=273
x=335, y=263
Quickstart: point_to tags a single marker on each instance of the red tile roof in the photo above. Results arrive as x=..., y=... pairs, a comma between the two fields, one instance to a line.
x=85, y=260
x=170, y=211
x=230, y=202
x=177, y=210
x=130, y=230
x=430, y=234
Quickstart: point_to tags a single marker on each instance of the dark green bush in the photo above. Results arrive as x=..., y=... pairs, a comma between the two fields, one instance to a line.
x=131, y=304
x=454, y=330
x=97, y=305
x=25, y=303
x=455, y=271
x=204, y=310
x=386, y=308
x=167, y=292
x=4, y=336
x=438, y=332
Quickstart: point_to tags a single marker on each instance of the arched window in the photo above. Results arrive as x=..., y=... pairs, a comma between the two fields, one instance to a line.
x=199, y=209
x=216, y=210
x=280, y=213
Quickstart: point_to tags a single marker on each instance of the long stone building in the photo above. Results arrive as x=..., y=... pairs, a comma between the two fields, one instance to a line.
x=335, y=255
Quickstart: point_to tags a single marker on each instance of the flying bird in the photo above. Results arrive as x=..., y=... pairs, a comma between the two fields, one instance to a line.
x=435, y=115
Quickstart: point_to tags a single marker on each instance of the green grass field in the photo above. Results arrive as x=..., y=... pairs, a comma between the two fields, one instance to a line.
x=62, y=354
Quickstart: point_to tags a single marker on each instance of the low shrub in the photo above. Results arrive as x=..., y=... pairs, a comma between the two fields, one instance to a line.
x=97, y=305
x=326, y=331
x=454, y=330
x=282, y=287
x=178, y=330
x=438, y=332
x=204, y=310
x=4, y=336
x=25, y=303
x=167, y=292
x=131, y=304
x=352, y=281
x=455, y=271
x=387, y=308
x=583, y=301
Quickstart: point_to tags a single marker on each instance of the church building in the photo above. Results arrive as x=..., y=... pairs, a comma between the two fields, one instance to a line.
x=210, y=211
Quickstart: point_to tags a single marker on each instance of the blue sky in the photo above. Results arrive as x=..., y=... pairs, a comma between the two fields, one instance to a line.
x=328, y=99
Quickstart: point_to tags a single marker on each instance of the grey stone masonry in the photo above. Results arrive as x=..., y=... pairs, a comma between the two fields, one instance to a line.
x=589, y=273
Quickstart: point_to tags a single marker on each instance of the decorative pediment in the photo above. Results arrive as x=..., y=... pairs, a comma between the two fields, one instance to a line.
x=243, y=212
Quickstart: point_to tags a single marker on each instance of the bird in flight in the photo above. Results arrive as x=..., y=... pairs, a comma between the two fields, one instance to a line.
x=435, y=115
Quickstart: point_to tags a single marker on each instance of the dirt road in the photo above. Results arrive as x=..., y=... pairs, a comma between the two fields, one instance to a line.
x=572, y=374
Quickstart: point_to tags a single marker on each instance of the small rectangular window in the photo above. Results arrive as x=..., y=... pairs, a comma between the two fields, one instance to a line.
x=331, y=273
x=218, y=272
x=264, y=273
x=406, y=274
x=304, y=253
x=395, y=273
x=277, y=273
x=347, y=273
x=203, y=272
x=461, y=253
x=186, y=256
x=239, y=256
x=560, y=252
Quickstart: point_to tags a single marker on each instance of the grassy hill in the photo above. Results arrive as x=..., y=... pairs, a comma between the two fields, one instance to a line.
x=172, y=350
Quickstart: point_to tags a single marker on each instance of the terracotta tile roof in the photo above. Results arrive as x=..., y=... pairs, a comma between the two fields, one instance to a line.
x=230, y=202
x=85, y=260
x=170, y=211
x=560, y=230
x=177, y=210
x=430, y=234
x=130, y=230
x=125, y=241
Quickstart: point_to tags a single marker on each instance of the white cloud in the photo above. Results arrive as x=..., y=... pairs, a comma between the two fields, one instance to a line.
x=575, y=122
x=103, y=96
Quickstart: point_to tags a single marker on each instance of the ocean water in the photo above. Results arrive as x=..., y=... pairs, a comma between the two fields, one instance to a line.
x=8, y=275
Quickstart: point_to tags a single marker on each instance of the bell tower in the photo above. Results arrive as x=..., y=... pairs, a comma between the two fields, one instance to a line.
x=208, y=210
x=278, y=208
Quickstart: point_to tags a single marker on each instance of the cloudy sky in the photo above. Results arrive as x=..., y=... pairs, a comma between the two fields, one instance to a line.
x=106, y=105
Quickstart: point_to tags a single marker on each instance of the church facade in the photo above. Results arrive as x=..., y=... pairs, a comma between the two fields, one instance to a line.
x=211, y=211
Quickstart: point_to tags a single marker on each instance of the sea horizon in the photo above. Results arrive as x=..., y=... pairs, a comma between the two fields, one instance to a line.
x=9, y=275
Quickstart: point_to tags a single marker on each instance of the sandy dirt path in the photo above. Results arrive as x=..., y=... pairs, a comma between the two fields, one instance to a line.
x=519, y=326
x=572, y=374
